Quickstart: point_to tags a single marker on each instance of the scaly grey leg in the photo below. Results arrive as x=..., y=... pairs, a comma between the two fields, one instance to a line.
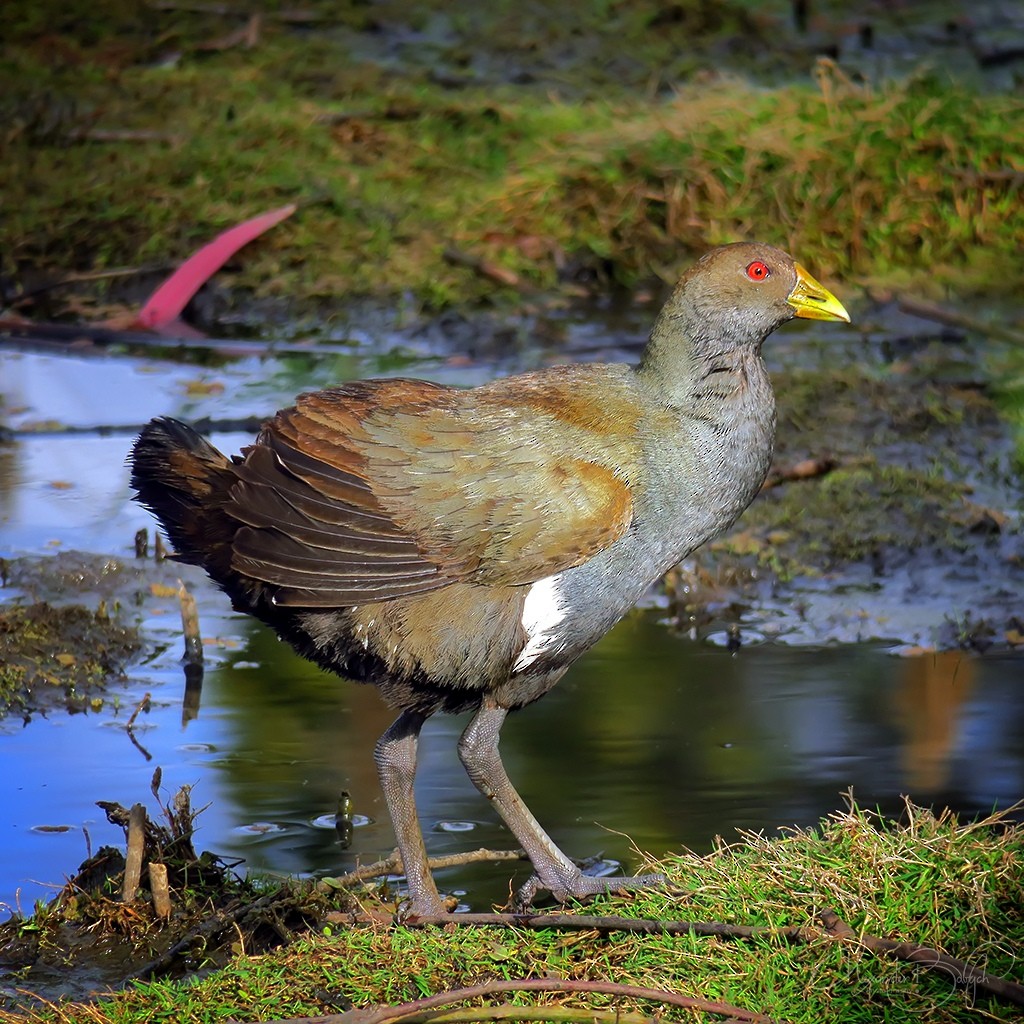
x=478, y=751
x=395, y=755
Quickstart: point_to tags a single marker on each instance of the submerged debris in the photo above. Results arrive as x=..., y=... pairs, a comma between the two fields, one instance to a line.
x=152, y=910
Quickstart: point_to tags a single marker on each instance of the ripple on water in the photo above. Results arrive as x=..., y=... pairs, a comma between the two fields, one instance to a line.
x=329, y=821
x=454, y=826
x=258, y=828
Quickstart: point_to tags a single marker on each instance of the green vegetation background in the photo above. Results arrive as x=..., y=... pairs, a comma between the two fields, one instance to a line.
x=614, y=140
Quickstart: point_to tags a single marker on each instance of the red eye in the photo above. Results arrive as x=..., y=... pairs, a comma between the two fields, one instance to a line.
x=758, y=271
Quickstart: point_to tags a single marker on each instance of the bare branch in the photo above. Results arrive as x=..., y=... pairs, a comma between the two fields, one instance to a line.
x=415, y=1012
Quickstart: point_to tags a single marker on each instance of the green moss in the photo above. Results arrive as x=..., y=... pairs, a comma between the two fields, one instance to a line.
x=58, y=655
x=864, y=183
x=896, y=455
x=853, y=514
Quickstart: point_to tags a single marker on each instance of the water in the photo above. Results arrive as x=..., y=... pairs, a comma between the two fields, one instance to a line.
x=652, y=742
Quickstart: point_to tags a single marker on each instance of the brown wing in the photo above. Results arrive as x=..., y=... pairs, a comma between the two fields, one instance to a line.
x=385, y=489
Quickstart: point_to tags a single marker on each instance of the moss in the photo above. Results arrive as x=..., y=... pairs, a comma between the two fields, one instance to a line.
x=907, y=450
x=58, y=655
x=851, y=515
x=863, y=182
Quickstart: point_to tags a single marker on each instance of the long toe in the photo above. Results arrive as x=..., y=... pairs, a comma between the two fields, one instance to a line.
x=579, y=886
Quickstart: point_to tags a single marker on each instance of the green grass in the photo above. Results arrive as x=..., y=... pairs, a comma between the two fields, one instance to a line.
x=929, y=881
x=900, y=183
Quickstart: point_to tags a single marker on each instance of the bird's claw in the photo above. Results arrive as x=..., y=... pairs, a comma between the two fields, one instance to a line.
x=415, y=908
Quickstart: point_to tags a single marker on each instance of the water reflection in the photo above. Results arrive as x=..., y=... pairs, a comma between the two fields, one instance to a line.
x=651, y=740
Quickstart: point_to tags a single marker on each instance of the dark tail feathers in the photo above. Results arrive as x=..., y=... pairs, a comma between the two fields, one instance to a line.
x=184, y=481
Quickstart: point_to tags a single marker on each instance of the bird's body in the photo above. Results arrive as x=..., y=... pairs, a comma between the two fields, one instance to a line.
x=460, y=548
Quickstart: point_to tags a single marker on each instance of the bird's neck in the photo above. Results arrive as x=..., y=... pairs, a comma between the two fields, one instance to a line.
x=698, y=373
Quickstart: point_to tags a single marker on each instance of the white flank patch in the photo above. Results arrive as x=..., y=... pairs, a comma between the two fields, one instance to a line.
x=542, y=612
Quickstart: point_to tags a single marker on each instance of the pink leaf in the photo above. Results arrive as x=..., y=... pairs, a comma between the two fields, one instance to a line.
x=167, y=302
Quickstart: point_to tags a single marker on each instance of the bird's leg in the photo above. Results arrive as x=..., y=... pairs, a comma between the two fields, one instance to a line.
x=478, y=751
x=395, y=755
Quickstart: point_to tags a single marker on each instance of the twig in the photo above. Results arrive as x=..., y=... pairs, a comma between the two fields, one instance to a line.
x=136, y=849
x=143, y=705
x=190, y=626
x=805, y=469
x=635, y=925
x=835, y=929
x=205, y=425
x=486, y=269
x=51, y=336
x=85, y=276
x=415, y=1011
x=248, y=36
x=509, y=1011
x=294, y=16
x=995, y=177
x=961, y=973
x=393, y=864
x=124, y=135
x=952, y=318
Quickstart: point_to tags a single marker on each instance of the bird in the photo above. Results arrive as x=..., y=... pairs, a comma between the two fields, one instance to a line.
x=460, y=548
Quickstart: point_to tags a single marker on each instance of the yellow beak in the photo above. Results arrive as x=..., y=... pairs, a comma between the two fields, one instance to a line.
x=813, y=300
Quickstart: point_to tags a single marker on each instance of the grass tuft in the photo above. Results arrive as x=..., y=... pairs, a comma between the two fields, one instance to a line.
x=929, y=880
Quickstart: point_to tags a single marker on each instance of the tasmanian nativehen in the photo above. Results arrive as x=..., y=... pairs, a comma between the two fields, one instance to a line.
x=459, y=549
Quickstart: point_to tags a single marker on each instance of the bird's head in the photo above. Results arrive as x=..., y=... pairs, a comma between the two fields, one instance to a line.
x=738, y=294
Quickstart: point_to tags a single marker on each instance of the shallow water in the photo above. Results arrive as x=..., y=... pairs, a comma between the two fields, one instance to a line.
x=654, y=740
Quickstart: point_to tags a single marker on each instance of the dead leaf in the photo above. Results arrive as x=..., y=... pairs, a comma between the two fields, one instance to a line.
x=198, y=388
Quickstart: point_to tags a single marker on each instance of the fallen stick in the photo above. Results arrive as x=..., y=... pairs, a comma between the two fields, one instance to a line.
x=136, y=848
x=960, y=972
x=393, y=865
x=834, y=929
x=952, y=318
x=805, y=469
x=416, y=1011
x=486, y=269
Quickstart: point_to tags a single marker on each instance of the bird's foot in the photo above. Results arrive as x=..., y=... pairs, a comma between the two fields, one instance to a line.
x=565, y=886
x=424, y=905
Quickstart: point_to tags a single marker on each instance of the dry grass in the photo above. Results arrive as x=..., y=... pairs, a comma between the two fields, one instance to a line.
x=904, y=181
